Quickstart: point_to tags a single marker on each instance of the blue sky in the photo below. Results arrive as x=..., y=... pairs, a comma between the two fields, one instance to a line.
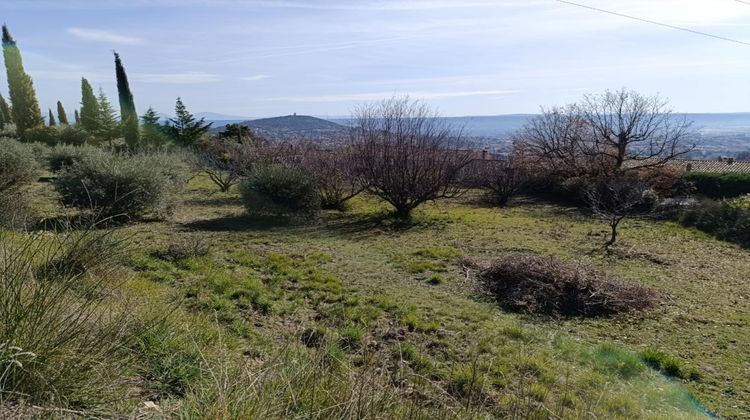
x=466, y=57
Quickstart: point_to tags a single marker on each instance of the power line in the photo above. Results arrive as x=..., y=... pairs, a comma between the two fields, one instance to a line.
x=679, y=28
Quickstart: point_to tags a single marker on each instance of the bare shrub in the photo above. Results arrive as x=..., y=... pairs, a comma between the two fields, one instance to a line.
x=545, y=285
x=334, y=172
x=613, y=198
x=406, y=155
x=502, y=179
x=184, y=249
x=226, y=161
x=15, y=211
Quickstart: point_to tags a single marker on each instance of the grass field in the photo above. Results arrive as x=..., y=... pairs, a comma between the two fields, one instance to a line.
x=354, y=315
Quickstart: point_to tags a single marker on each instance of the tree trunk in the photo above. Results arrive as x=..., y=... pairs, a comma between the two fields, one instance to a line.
x=403, y=213
x=613, y=236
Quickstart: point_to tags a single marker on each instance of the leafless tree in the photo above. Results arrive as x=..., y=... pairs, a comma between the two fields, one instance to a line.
x=629, y=131
x=225, y=161
x=502, y=179
x=405, y=154
x=613, y=132
x=615, y=197
x=554, y=140
x=333, y=169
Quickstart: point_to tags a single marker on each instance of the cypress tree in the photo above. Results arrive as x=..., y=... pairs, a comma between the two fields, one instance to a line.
x=52, y=122
x=89, y=117
x=62, y=117
x=5, y=117
x=108, y=128
x=128, y=115
x=25, y=109
x=76, y=118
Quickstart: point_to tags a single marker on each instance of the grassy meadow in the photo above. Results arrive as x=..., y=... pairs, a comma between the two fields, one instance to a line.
x=355, y=315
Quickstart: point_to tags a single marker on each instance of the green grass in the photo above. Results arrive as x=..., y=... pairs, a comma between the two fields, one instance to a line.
x=392, y=312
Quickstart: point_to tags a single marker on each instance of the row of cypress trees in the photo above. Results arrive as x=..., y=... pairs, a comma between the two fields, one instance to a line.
x=97, y=116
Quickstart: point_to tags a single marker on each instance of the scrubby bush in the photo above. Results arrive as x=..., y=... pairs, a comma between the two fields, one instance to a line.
x=117, y=185
x=17, y=169
x=73, y=135
x=545, y=285
x=63, y=156
x=15, y=211
x=556, y=188
x=724, y=185
x=742, y=202
x=17, y=165
x=46, y=135
x=720, y=219
x=279, y=189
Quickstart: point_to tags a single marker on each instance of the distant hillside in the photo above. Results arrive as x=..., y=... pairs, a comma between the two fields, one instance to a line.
x=293, y=124
x=214, y=116
x=719, y=134
x=297, y=127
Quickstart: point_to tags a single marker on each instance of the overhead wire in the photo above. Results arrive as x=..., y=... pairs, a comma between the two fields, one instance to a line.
x=653, y=22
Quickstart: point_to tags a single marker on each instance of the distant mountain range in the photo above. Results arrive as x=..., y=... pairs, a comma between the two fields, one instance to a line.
x=719, y=133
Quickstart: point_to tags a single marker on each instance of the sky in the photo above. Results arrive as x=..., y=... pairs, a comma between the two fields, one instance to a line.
x=261, y=58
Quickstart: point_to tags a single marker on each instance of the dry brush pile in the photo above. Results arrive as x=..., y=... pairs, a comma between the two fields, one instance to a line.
x=546, y=285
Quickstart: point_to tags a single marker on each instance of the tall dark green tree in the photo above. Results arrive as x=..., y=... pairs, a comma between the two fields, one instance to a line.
x=128, y=115
x=51, y=117
x=62, y=117
x=5, y=116
x=184, y=128
x=25, y=109
x=89, y=117
x=152, y=133
x=76, y=117
x=108, y=127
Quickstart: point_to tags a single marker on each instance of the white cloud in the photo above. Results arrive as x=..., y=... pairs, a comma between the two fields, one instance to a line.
x=256, y=77
x=99, y=35
x=374, y=96
x=188, y=77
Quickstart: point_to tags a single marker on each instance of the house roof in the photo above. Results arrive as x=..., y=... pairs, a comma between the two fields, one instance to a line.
x=723, y=165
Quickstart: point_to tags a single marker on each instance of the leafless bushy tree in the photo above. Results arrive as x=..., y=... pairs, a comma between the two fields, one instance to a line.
x=226, y=161
x=613, y=198
x=554, y=140
x=405, y=154
x=630, y=131
x=333, y=169
x=501, y=178
x=613, y=132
